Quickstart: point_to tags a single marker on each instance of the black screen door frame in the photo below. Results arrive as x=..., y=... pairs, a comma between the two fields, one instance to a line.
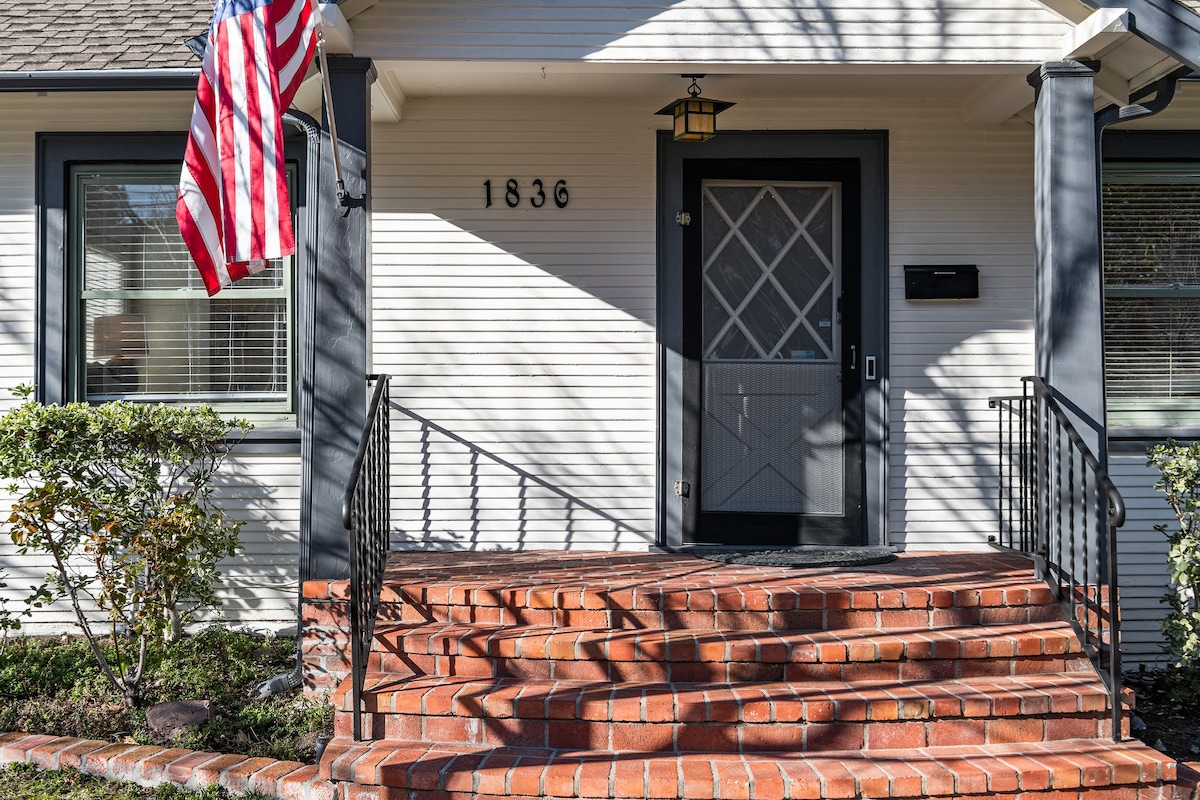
x=680, y=163
x=708, y=527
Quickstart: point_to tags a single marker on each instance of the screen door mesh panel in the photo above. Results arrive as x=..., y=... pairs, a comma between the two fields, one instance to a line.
x=770, y=271
x=772, y=438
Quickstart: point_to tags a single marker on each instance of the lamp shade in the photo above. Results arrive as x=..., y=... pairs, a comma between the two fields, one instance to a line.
x=695, y=117
x=119, y=335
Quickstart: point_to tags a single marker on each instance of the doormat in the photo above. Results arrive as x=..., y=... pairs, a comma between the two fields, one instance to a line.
x=801, y=557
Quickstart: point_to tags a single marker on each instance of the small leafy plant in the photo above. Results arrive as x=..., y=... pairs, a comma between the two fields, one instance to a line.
x=1180, y=481
x=9, y=619
x=118, y=496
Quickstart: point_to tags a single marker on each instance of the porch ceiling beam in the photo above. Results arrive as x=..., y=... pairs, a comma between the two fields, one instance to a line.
x=1166, y=24
x=1096, y=34
x=387, y=98
x=1111, y=87
x=997, y=100
x=352, y=8
x=339, y=39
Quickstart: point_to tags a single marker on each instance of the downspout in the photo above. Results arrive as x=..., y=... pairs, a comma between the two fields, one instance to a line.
x=1163, y=89
x=289, y=681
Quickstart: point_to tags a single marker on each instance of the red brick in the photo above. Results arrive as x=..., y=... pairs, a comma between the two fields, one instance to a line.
x=949, y=732
x=181, y=769
x=18, y=748
x=294, y=786
x=732, y=779
x=72, y=757
x=237, y=778
x=1014, y=730
x=895, y=735
x=128, y=764
x=835, y=736
x=800, y=780
x=46, y=755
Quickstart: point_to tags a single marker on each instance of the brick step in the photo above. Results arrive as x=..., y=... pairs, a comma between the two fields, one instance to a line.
x=738, y=718
x=1023, y=770
x=563, y=590
x=656, y=655
x=762, y=607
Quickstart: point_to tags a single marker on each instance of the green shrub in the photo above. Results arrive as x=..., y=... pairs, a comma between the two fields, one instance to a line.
x=118, y=496
x=1180, y=481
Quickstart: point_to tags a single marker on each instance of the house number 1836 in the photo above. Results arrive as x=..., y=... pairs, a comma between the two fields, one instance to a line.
x=537, y=196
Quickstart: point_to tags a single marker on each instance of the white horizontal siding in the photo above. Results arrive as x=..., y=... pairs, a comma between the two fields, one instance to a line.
x=529, y=333
x=259, y=587
x=1142, y=557
x=713, y=31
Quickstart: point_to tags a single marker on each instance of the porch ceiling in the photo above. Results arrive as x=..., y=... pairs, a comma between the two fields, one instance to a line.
x=427, y=79
x=988, y=93
x=399, y=81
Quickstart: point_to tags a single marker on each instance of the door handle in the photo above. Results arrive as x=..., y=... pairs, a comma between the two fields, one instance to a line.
x=853, y=356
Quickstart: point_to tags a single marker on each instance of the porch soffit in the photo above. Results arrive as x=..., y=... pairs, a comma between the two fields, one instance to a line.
x=418, y=56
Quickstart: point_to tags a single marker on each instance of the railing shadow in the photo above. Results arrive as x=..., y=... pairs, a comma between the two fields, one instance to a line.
x=556, y=506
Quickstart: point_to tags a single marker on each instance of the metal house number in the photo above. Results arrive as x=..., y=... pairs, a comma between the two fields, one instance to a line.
x=537, y=198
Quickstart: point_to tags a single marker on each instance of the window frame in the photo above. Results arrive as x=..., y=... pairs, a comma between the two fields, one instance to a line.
x=1142, y=413
x=82, y=174
x=1146, y=148
x=57, y=156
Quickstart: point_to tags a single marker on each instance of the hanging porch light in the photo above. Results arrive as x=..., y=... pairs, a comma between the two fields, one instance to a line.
x=695, y=116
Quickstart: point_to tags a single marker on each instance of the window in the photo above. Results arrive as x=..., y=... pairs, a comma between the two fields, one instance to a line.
x=1152, y=294
x=143, y=327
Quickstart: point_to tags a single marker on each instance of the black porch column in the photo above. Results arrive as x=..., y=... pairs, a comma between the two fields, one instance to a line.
x=335, y=368
x=1068, y=285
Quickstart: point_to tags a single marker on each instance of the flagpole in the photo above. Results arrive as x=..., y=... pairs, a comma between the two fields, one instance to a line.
x=333, y=137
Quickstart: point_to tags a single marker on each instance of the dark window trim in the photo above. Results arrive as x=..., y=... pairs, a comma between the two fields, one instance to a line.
x=1149, y=147
x=56, y=153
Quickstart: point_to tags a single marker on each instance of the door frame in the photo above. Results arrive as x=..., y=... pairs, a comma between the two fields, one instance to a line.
x=870, y=149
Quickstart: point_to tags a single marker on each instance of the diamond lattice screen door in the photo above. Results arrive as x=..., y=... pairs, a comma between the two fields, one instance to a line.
x=772, y=438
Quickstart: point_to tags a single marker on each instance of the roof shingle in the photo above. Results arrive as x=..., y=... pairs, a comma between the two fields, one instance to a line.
x=100, y=34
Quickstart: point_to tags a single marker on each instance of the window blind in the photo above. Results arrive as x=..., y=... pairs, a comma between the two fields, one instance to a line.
x=148, y=330
x=1152, y=296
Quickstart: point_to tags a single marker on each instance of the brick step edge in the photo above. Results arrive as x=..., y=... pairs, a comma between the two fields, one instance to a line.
x=148, y=765
x=1164, y=792
x=926, y=772
x=335, y=615
x=675, y=595
x=513, y=698
x=794, y=737
x=659, y=645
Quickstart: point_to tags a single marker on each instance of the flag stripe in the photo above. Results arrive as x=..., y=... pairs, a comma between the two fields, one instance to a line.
x=233, y=208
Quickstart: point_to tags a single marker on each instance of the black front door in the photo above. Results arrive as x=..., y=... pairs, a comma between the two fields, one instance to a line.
x=772, y=353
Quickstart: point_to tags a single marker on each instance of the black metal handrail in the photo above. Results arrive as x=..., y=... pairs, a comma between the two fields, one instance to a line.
x=365, y=514
x=1058, y=505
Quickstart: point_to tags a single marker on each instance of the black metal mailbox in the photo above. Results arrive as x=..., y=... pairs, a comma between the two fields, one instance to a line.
x=941, y=282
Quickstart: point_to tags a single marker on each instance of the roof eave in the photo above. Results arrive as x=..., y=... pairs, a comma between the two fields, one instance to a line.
x=101, y=80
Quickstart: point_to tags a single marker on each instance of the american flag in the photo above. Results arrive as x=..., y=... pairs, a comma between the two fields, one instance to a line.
x=233, y=207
